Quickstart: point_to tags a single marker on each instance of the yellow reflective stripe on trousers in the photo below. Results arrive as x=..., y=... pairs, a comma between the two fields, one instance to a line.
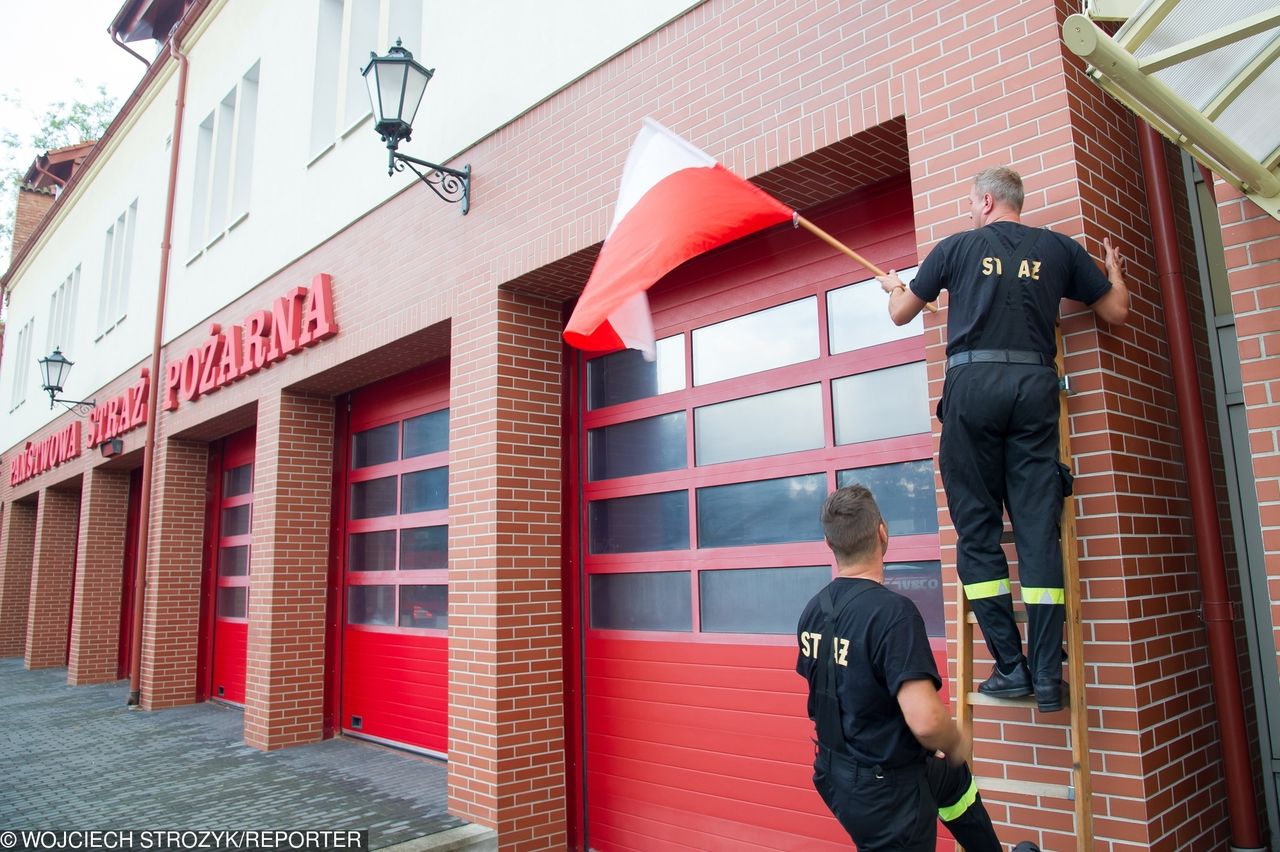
x=986, y=589
x=951, y=812
x=1043, y=596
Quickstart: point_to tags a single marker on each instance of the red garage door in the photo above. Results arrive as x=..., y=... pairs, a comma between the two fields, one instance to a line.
x=231, y=474
x=778, y=377
x=395, y=647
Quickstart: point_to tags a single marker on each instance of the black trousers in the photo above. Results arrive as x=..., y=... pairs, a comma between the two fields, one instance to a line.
x=896, y=810
x=1000, y=450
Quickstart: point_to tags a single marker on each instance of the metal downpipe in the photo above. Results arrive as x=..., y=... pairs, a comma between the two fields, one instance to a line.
x=1216, y=609
x=148, y=453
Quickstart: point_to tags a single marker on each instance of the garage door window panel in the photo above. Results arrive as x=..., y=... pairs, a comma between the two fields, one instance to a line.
x=375, y=446
x=233, y=602
x=424, y=491
x=881, y=404
x=765, y=512
x=905, y=493
x=856, y=316
x=784, y=421
x=757, y=600
x=233, y=561
x=763, y=340
x=922, y=582
x=372, y=551
x=424, y=607
x=648, y=600
x=637, y=447
x=424, y=548
x=626, y=376
x=374, y=498
x=426, y=434
x=371, y=605
x=645, y=522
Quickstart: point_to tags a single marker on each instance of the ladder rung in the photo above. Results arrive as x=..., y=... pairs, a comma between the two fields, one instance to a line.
x=1019, y=615
x=991, y=700
x=1027, y=788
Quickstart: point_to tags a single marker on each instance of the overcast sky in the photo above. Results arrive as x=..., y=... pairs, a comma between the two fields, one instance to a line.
x=45, y=47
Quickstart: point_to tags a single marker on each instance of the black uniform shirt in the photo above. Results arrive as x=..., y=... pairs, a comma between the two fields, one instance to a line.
x=1056, y=268
x=881, y=644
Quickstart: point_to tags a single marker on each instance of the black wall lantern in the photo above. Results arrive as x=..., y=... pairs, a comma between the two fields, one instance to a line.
x=54, y=369
x=396, y=84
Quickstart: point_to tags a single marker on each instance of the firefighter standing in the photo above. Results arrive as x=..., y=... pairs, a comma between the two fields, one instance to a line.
x=873, y=696
x=999, y=411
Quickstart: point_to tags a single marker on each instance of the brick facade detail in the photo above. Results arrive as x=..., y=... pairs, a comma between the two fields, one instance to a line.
x=52, y=575
x=170, y=636
x=17, y=545
x=289, y=567
x=1251, y=240
x=506, y=688
x=95, y=624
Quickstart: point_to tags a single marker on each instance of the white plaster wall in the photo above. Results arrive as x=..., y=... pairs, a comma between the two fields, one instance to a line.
x=494, y=59
x=137, y=169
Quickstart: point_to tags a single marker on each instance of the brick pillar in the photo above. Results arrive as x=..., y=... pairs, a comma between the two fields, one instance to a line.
x=171, y=633
x=506, y=708
x=52, y=567
x=95, y=623
x=289, y=566
x=1251, y=243
x=17, y=544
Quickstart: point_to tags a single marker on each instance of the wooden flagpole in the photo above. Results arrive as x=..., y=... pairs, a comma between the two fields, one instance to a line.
x=845, y=250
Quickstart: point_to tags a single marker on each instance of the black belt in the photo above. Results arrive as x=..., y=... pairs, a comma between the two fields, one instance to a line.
x=999, y=356
x=905, y=772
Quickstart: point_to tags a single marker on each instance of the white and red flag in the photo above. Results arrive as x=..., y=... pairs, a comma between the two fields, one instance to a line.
x=675, y=202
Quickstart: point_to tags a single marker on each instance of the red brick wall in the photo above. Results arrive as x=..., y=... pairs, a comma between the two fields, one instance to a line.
x=30, y=209
x=289, y=567
x=506, y=749
x=170, y=636
x=17, y=544
x=95, y=625
x=52, y=567
x=1251, y=240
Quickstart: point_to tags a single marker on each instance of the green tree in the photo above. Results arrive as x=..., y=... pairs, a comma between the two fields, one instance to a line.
x=84, y=117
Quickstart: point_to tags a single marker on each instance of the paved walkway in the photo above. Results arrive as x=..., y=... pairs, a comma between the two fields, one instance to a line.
x=78, y=758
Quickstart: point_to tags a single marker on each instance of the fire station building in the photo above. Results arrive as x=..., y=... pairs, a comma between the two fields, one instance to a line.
x=373, y=494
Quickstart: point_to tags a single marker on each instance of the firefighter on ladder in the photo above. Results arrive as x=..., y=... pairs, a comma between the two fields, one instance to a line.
x=999, y=413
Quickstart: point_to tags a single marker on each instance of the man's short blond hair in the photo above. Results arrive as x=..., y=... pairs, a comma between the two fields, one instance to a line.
x=1003, y=183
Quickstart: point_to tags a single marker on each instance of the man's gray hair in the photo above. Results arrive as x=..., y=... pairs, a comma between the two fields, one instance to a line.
x=1003, y=183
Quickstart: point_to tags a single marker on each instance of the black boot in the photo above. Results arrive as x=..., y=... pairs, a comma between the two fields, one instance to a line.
x=1051, y=694
x=1026, y=846
x=1014, y=684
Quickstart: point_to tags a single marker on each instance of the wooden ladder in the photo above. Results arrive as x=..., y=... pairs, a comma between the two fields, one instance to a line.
x=1080, y=790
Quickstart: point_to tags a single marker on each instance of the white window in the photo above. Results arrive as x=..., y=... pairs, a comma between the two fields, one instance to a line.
x=117, y=265
x=21, y=364
x=62, y=314
x=347, y=32
x=224, y=164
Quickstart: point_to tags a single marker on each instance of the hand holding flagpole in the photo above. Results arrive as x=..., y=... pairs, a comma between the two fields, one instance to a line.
x=844, y=249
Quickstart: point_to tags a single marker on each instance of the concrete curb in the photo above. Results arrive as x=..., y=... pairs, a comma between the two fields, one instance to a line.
x=464, y=837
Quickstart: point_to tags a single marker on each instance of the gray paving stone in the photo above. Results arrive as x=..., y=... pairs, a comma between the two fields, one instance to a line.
x=78, y=758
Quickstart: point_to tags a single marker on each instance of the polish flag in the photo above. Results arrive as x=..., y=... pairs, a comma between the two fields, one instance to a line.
x=675, y=202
